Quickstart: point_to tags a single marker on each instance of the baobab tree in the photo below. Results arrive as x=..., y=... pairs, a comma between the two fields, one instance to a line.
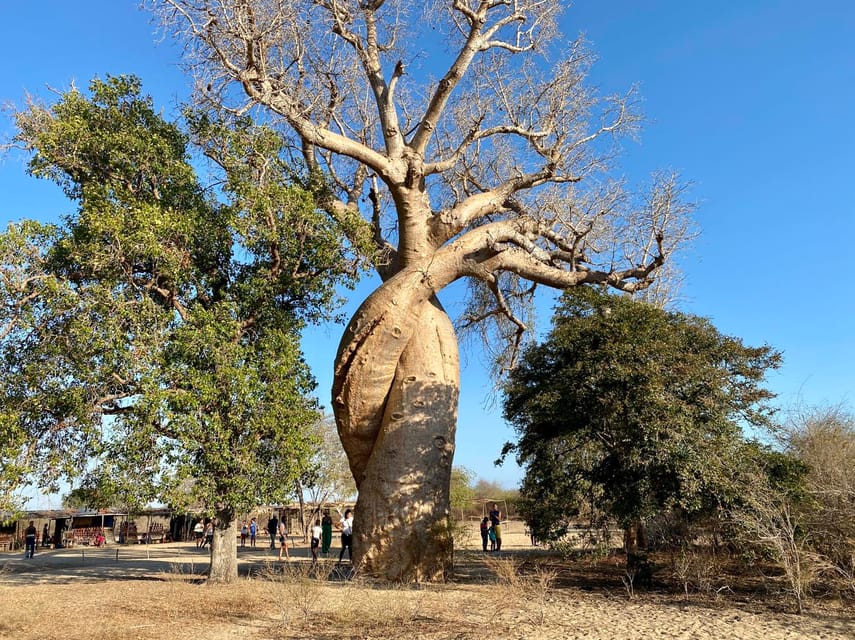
x=463, y=135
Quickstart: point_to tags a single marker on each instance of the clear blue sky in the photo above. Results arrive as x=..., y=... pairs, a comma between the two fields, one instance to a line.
x=751, y=100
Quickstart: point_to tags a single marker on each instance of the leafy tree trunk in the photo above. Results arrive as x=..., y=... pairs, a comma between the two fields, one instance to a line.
x=223, y=566
x=395, y=397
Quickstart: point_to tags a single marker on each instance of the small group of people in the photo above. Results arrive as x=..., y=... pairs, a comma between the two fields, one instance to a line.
x=491, y=529
x=31, y=537
x=321, y=534
x=203, y=532
x=276, y=530
x=248, y=531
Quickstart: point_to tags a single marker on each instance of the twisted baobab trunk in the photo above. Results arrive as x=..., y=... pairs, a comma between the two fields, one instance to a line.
x=395, y=398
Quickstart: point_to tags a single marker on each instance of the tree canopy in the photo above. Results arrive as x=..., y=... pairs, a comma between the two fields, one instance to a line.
x=156, y=342
x=628, y=410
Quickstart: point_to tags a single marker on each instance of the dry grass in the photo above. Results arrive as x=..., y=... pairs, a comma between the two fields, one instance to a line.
x=133, y=609
x=289, y=606
x=514, y=595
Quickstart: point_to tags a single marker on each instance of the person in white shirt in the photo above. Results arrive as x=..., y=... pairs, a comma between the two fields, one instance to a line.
x=317, y=532
x=199, y=532
x=346, y=527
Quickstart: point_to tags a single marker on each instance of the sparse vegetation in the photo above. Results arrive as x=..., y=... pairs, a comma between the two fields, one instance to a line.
x=532, y=594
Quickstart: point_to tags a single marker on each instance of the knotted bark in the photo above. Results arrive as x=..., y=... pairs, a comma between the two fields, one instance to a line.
x=395, y=398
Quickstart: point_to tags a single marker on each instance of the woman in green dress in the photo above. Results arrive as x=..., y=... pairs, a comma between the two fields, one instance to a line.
x=326, y=529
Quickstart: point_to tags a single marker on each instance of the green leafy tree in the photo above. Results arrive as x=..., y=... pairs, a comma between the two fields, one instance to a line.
x=462, y=491
x=91, y=494
x=627, y=410
x=172, y=361
x=27, y=289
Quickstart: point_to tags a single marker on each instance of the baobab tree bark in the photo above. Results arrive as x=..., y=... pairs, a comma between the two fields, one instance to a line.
x=395, y=397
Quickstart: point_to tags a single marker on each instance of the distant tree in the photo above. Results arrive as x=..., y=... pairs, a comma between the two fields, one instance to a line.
x=91, y=494
x=172, y=356
x=630, y=410
x=485, y=165
x=462, y=492
x=327, y=476
x=488, y=491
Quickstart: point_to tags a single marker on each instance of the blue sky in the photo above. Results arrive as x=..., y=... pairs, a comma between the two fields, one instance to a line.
x=752, y=101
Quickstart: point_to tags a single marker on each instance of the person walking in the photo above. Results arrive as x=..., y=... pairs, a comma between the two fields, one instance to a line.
x=30, y=540
x=208, y=535
x=244, y=532
x=326, y=532
x=346, y=527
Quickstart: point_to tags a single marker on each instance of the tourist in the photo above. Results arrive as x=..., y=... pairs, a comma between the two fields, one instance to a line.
x=199, y=533
x=244, y=532
x=283, y=541
x=496, y=524
x=208, y=535
x=346, y=527
x=253, y=531
x=30, y=540
x=326, y=536
x=45, y=536
x=317, y=532
x=485, y=532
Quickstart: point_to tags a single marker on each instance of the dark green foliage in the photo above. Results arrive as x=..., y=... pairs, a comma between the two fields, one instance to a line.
x=160, y=348
x=626, y=411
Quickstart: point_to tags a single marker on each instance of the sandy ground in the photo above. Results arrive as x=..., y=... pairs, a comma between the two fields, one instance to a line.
x=149, y=591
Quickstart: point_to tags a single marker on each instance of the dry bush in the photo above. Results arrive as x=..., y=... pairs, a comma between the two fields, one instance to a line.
x=824, y=439
x=524, y=584
x=296, y=588
x=303, y=596
x=769, y=521
x=697, y=570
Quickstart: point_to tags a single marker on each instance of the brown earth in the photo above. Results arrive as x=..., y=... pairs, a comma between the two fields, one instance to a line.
x=157, y=591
